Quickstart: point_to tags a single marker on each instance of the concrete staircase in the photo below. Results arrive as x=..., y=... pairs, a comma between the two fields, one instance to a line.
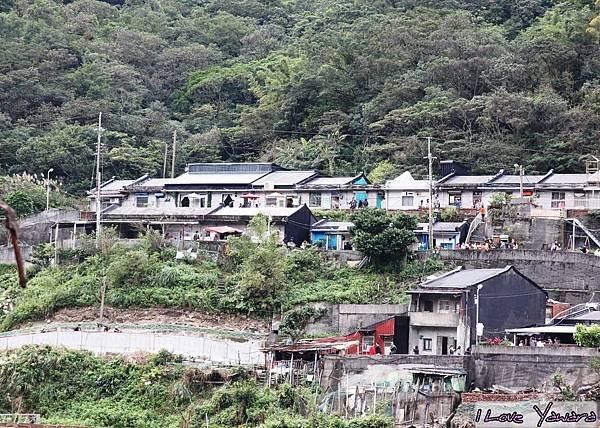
x=476, y=233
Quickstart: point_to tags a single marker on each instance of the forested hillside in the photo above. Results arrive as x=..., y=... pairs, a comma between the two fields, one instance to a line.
x=338, y=85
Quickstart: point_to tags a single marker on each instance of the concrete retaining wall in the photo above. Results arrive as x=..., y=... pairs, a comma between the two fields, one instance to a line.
x=7, y=254
x=487, y=366
x=212, y=349
x=531, y=367
x=380, y=369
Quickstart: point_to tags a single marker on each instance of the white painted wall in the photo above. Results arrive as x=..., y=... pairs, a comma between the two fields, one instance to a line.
x=394, y=199
x=218, y=350
x=417, y=334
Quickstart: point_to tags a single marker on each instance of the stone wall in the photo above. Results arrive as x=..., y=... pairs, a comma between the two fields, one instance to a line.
x=567, y=276
x=488, y=365
x=531, y=367
x=7, y=255
x=343, y=319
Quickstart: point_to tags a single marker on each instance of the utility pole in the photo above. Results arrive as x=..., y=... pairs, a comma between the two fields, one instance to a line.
x=48, y=188
x=430, y=160
x=102, y=295
x=174, y=153
x=98, y=180
x=521, y=174
x=165, y=162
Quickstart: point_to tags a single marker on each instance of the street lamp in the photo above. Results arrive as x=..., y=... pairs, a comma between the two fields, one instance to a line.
x=48, y=188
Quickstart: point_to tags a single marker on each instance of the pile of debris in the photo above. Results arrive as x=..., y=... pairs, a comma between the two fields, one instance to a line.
x=502, y=393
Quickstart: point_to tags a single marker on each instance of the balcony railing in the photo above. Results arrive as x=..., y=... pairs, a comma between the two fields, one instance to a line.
x=434, y=319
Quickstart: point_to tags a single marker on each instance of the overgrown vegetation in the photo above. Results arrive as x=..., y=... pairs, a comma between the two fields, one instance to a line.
x=254, y=279
x=565, y=389
x=587, y=336
x=295, y=321
x=338, y=85
x=26, y=194
x=77, y=388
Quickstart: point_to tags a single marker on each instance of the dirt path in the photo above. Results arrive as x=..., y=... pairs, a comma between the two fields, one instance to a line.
x=180, y=317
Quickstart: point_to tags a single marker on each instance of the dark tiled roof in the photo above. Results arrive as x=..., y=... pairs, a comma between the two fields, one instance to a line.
x=463, y=278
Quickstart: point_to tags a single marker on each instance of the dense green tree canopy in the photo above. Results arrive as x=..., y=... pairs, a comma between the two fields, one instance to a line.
x=338, y=85
x=383, y=236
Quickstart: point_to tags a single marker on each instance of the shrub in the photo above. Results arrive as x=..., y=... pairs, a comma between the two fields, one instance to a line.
x=295, y=321
x=587, y=336
x=450, y=214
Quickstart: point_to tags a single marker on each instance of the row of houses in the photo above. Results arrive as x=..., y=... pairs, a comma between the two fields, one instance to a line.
x=459, y=189
x=252, y=185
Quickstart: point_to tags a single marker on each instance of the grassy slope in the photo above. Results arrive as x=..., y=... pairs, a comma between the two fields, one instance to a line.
x=146, y=278
x=77, y=388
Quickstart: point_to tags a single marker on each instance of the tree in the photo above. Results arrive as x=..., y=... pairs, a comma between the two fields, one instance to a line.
x=382, y=236
x=21, y=202
x=382, y=172
x=259, y=281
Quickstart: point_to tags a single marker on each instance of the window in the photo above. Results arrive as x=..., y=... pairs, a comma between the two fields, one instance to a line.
x=579, y=200
x=141, y=201
x=227, y=199
x=558, y=200
x=426, y=344
x=335, y=200
x=408, y=201
x=454, y=198
x=428, y=306
x=444, y=306
x=368, y=342
x=314, y=200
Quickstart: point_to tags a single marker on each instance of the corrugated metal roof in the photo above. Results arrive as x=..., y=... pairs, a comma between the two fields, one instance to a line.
x=167, y=211
x=153, y=182
x=590, y=316
x=516, y=180
x=322, y=181
x=313, y=346
x=116, y=185
x=238, y=178
x=284, y=178
x=543, y=329
x=463, y=278
x=252, y=211
x=112, y=186
x=327, y=225
x=442, y=226
x=566, y=179
x=232, y=168
x=467, y=179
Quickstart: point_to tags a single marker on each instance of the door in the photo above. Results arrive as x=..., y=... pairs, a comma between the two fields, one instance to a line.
x=380, y=198
x=326, y=201
x=444, y=345
x=332, y=242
